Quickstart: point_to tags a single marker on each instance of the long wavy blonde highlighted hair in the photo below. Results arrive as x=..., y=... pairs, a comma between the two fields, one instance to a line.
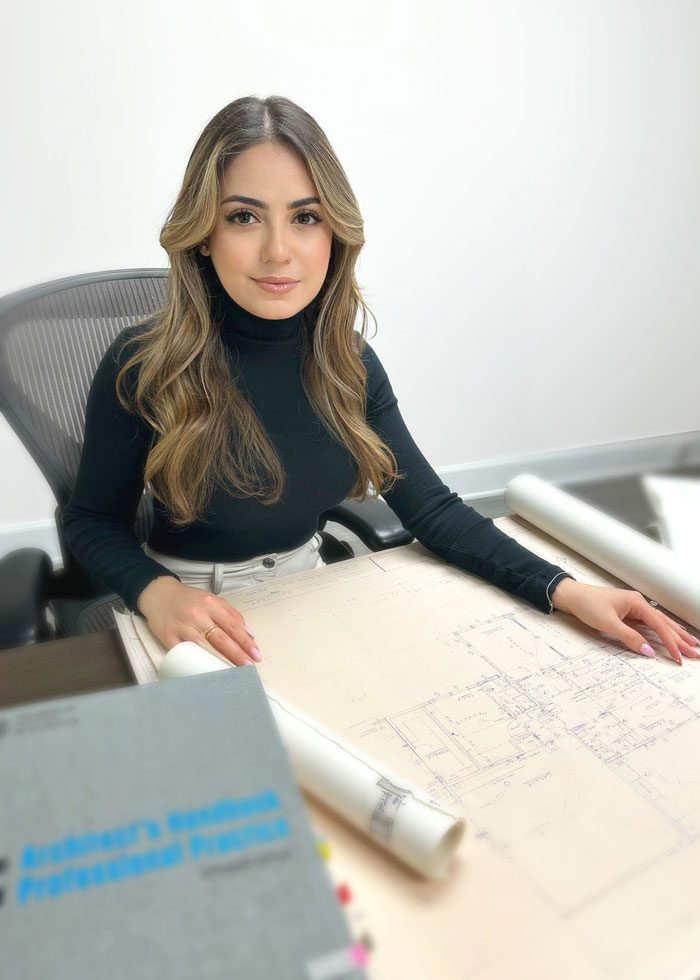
x=184, y=387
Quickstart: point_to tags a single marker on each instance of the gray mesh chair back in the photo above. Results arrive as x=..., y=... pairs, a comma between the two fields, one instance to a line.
x=52, y=338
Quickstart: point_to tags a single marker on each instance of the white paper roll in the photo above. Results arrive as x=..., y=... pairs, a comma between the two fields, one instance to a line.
x=187, y=658
x=399, y=816
x=645, y=565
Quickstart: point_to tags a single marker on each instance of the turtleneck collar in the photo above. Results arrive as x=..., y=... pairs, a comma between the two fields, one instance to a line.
x=243, y=328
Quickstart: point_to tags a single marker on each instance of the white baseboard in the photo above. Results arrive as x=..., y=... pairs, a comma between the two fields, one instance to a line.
x=486, y=478
x=636, y=457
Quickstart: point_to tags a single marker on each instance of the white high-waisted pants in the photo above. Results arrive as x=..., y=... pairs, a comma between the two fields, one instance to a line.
x=218, y=577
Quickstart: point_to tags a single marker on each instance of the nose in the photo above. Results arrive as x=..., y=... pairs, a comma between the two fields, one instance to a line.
x=275, y=246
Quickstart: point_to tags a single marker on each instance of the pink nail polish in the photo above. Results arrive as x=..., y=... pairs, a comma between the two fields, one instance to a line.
x=648, y=650
x=255, y=653
x=250, y=632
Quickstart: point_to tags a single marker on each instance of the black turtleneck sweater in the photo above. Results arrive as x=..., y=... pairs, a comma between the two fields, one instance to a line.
x=319, y=473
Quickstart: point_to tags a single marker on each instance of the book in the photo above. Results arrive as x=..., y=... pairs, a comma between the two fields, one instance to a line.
x=158, y=831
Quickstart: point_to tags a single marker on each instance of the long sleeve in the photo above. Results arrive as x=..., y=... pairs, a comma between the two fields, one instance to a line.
x=100, y=515
x=440, y=519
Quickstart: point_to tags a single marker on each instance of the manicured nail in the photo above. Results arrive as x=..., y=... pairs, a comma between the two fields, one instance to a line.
x=250, y=632
x=255, y=653
x=647, y=650
x=249, y=661
x=695, y=641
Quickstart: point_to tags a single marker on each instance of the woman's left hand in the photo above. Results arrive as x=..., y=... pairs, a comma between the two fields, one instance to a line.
x=605, y=608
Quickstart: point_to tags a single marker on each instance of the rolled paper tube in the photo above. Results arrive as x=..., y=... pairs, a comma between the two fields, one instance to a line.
x=397, y=815
x=188, y=658
x=645, y=565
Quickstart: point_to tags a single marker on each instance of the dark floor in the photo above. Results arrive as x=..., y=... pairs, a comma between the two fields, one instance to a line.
x=622, y=498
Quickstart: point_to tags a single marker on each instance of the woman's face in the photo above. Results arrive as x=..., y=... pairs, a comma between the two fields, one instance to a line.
x=257, y=235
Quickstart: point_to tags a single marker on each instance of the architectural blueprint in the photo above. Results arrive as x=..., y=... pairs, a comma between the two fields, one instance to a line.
x=576, y=762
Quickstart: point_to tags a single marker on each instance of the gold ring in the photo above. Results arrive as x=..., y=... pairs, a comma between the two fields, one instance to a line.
x=205, y=633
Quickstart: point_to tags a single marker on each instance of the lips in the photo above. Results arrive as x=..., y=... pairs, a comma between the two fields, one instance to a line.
x=276, y=280
x=281, y=288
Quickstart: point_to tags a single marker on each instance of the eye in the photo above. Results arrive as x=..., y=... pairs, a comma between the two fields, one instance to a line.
x=235, y=214
x=231, y=218
x=311, y=214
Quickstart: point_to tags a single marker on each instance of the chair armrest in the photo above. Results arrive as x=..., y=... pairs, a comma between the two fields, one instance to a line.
x=24, y=577
x=373, y=521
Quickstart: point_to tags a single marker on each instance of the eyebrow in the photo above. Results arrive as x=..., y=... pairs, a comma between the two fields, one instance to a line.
x=254, y=202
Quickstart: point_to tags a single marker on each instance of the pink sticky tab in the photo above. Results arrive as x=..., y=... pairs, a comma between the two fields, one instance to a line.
x=358, y=955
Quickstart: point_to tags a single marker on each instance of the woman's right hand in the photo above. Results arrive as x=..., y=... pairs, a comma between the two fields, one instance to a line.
x=177, y=612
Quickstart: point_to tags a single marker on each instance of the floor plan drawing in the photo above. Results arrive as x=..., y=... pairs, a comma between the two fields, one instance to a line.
x=576, y=762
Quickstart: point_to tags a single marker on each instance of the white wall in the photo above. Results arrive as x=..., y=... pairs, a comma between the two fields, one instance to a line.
x=528, y=173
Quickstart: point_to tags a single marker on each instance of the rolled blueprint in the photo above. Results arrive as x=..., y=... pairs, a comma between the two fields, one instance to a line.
x=647, y=566
x=398, y=816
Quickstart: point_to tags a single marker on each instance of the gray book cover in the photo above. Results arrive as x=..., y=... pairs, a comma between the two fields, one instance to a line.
x=158, y=831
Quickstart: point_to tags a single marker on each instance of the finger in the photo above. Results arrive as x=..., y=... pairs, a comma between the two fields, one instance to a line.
x=664, y=626
x=633, y=640
x=684, y=634
x=236, y=627
x=231, y=621
x=687, y=637
x=658, y=622
x=688, y=650
x=669, y=630
x=221, y=643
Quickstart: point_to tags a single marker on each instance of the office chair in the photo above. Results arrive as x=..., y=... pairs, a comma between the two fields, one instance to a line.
x=52, y=338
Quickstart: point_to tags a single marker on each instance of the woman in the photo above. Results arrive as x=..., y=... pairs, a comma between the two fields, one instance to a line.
x=249, y=404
